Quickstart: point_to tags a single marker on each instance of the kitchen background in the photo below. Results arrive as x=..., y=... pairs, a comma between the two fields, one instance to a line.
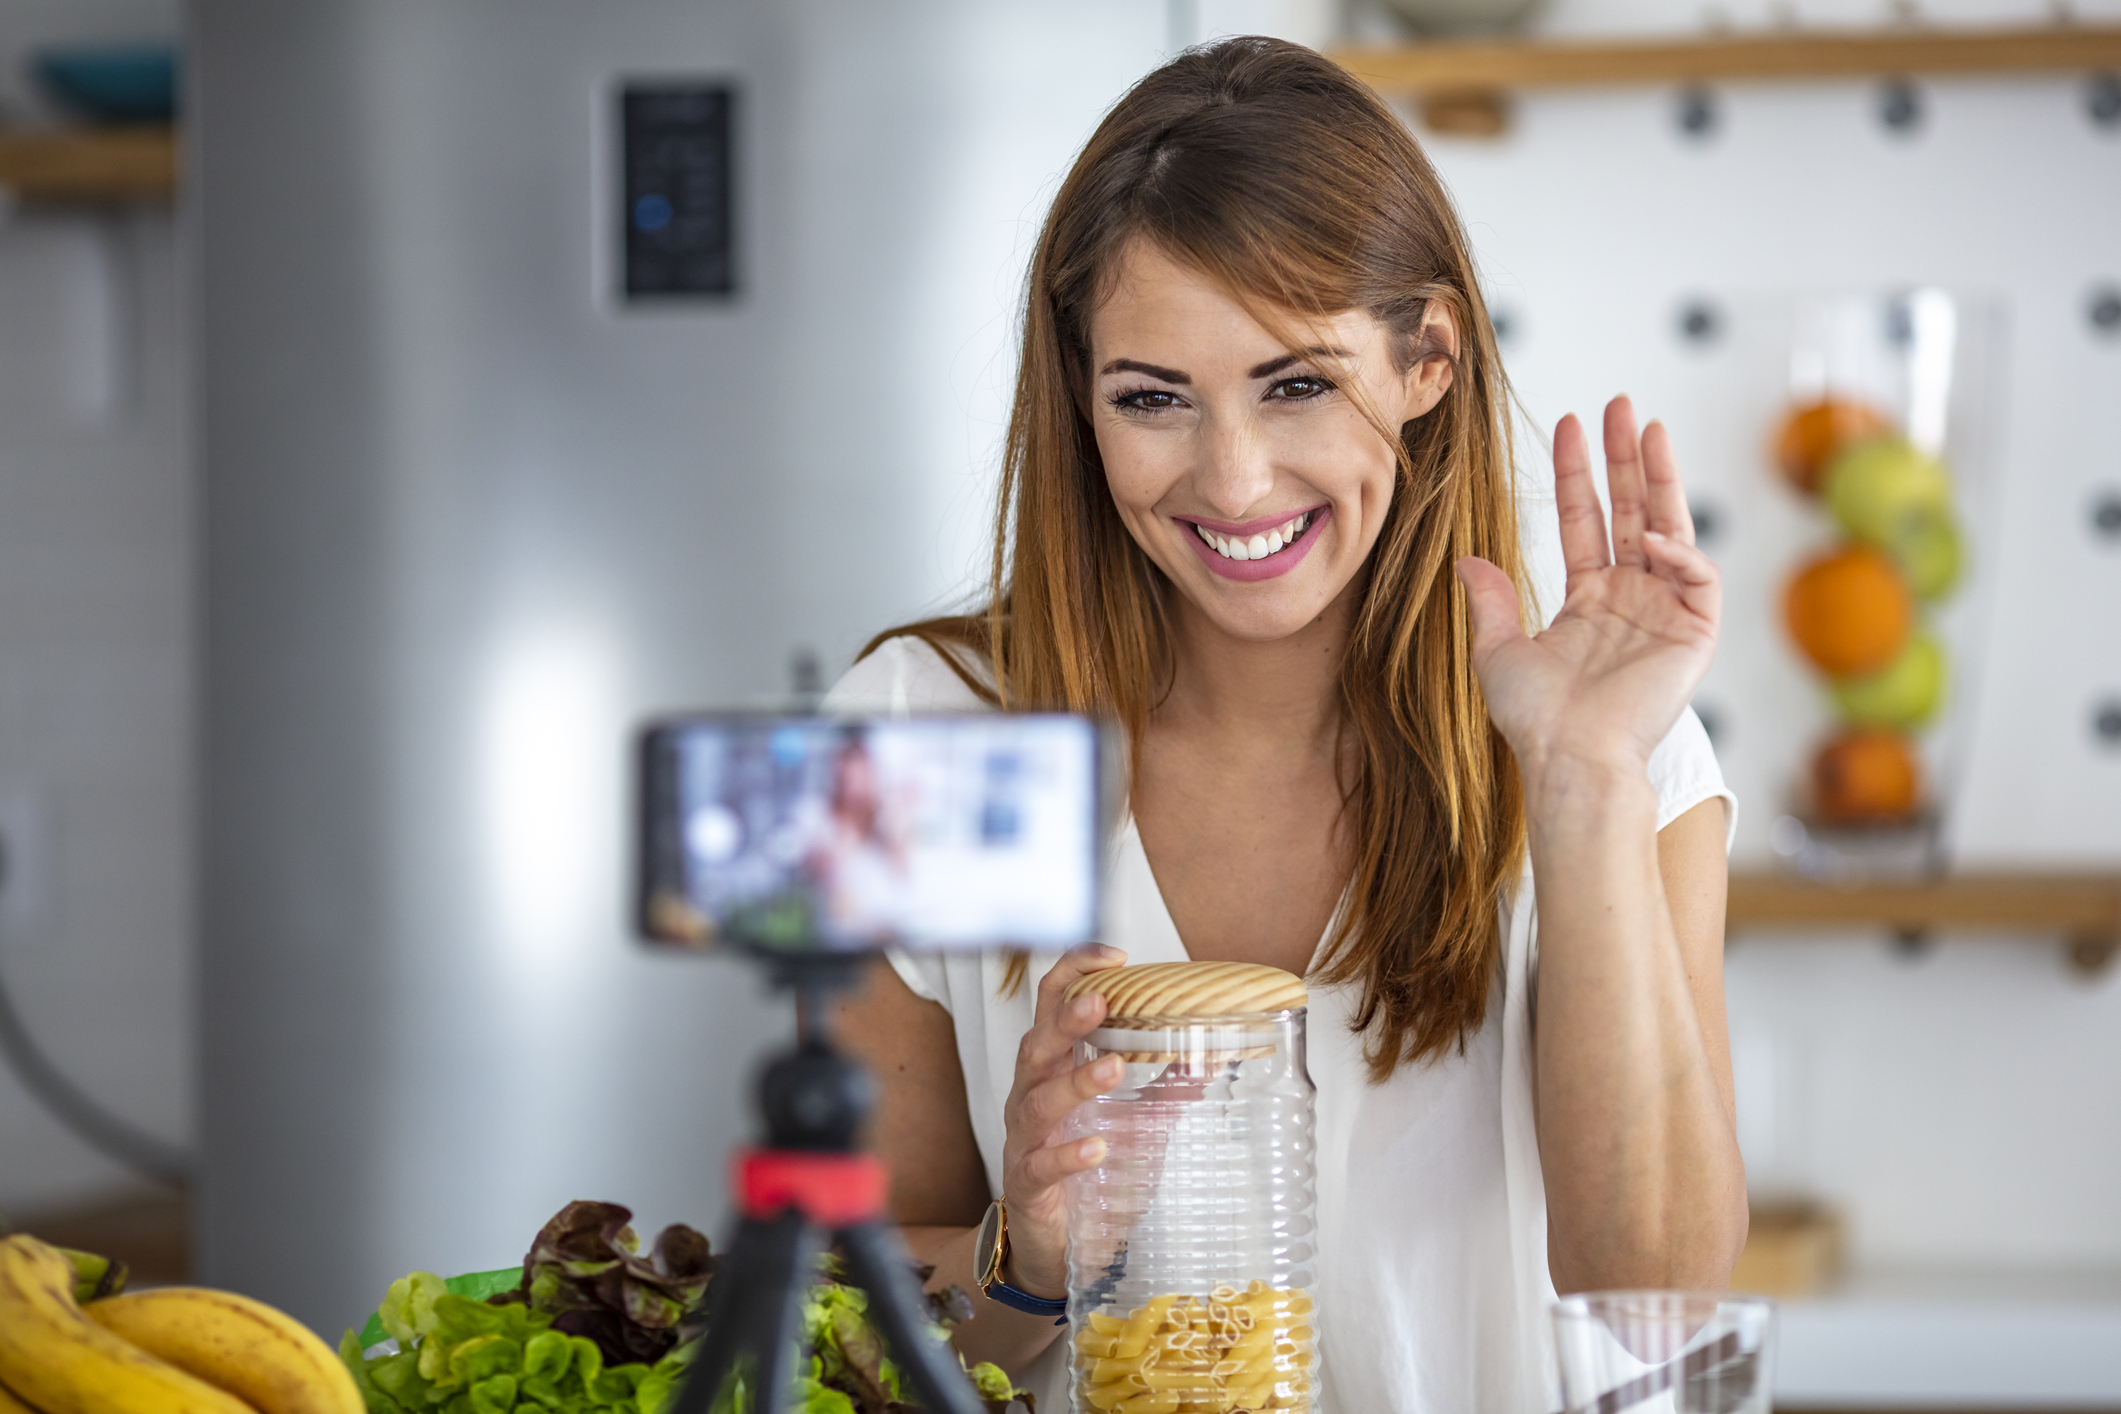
x=349, y=520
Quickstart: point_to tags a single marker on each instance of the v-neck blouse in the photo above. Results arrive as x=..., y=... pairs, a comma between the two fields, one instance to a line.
x=1432, y=1271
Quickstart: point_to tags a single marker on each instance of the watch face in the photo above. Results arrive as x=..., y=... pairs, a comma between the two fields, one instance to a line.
x=987, y=1251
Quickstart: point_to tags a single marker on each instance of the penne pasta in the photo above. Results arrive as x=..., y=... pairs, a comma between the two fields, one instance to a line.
x=1229, y=1352
x=1149, y=1401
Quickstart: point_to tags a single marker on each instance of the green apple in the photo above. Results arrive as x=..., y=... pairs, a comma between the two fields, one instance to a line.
x=1904, y=693
x=1929, y=551
x=1876, y=487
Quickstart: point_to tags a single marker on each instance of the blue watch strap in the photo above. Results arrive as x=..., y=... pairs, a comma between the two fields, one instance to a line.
x=1024, y=1301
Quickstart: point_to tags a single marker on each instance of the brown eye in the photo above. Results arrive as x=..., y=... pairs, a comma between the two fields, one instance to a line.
x=1296, y=390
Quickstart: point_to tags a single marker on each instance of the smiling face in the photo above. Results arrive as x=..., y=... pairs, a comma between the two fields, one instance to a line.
x=1244, y=469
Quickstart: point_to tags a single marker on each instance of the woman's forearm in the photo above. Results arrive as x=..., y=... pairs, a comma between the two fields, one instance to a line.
x=1644, y=1182
x=1010, y=1338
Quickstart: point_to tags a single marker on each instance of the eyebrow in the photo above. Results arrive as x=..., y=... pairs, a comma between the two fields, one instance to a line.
x=1262, y=370
x=1135, y=365
x=1275, y=365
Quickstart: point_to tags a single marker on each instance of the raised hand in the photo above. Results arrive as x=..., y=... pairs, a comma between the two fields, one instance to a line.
x=1605, y=681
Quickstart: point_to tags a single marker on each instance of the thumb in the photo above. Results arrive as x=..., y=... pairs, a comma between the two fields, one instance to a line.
x=1491, y=602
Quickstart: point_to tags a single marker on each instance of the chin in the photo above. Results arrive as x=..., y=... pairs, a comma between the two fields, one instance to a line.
x=1257, y=617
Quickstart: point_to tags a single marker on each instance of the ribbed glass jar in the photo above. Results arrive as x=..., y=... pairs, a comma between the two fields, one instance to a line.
x=1192, y=1248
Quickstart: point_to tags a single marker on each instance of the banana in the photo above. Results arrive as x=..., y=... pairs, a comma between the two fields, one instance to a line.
x=95, y=1277
x=57, y=1361
x=11, y=1405
x=264, y=1356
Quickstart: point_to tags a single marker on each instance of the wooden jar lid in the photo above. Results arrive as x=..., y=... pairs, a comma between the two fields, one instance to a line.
x=1182, y=989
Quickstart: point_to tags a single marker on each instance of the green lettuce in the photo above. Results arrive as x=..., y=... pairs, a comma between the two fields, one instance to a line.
x=591, y=1325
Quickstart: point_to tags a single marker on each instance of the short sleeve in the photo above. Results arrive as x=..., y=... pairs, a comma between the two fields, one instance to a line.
x=923, y=975
x=904, y=674
x=1684, y=772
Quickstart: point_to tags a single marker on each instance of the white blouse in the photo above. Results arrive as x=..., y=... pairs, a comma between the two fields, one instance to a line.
x=1432, y=1273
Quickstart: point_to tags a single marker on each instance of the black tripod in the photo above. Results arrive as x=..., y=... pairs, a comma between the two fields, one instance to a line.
x=808, y=1186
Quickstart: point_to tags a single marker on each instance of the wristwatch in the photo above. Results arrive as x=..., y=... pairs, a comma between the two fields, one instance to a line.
x=990, y=1252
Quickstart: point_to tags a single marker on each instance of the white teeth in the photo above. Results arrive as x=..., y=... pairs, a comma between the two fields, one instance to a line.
x=1257, y=547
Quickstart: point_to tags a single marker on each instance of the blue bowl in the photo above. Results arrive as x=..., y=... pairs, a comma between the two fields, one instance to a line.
x=112, y=83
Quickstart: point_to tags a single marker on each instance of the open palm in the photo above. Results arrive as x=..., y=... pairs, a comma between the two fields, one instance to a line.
x=1608, y=677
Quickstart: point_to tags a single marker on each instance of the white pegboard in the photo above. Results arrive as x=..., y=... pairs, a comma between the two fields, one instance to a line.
x=1597, y=220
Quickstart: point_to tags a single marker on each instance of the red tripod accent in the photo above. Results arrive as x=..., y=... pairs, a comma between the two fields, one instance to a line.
x=830, y=1189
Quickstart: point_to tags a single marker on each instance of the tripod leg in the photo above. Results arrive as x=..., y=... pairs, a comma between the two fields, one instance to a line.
x=879, y=1264
x=750, y=1311
x=778, y=1315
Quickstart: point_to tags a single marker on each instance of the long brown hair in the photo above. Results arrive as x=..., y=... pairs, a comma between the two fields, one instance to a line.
x=1268, y=168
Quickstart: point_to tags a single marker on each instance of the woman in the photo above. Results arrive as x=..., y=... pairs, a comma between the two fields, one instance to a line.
x=1257, y=505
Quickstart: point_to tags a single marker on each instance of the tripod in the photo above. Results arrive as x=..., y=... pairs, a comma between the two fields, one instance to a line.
x=807, y=1186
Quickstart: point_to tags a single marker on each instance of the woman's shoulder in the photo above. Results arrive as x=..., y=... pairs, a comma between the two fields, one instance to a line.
x=909, y=674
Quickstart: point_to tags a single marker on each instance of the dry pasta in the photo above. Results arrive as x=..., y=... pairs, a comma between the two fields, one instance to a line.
x=1229, y=1352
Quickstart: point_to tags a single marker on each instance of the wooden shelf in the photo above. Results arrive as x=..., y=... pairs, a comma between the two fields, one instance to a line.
x=90, y=166
x=1521, y=63
x=1462, y=86
x=2084, y=910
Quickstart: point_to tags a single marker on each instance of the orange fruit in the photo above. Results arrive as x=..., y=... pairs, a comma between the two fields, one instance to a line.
x=1811, y=434
x=1866, y=777
x=1849, y=610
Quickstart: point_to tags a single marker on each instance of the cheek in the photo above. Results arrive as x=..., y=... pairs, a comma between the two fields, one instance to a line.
x=1341, y=455
x=1139, y=469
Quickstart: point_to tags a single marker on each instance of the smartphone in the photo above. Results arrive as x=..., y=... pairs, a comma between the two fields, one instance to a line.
x=818, y=833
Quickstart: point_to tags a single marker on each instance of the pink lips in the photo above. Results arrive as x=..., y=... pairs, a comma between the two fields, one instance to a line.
x=1251, y=571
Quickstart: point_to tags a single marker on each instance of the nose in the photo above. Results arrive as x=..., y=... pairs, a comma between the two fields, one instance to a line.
x=1233, y=467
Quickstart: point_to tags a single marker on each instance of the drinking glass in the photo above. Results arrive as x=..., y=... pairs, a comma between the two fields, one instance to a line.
x=1665, y=1352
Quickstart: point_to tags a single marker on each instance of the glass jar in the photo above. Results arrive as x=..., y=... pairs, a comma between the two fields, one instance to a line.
x=1192, y=1247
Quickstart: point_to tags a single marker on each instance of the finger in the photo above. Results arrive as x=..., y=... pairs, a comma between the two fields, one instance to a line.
x=1492, y=604
x=1624, y=481
x=1048, y=1103
x=1667, y=498
x=1700, y=582
x=1074, y=964
x=1583, y=544
x=1050, y=1044
x=1043, y=1168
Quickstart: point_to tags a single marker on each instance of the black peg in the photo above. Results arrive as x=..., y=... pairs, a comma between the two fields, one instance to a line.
x=1698, y=115
x=1503, y=320
x=2106, y=515
x=1900, y=106
x=1708, y=521
x=1699, y=322
x=2106, y=722
x=2102, y=99
x=2104, y=311
x=1711, y=720
x=1899, y=323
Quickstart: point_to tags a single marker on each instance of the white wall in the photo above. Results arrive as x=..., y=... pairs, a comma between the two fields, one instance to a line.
x=96, y=642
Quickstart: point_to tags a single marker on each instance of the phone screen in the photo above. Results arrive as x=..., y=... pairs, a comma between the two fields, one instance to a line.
x=851, y=833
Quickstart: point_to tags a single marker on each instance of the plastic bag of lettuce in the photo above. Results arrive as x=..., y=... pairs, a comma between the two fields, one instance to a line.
x=590, y=1323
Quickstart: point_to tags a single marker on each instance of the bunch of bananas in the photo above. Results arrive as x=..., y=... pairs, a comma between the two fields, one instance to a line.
x=67, y=1346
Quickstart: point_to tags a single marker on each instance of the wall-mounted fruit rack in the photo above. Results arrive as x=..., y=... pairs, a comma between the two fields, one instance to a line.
x=89, y=166
x=2083, y=910
x=1462, y=87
